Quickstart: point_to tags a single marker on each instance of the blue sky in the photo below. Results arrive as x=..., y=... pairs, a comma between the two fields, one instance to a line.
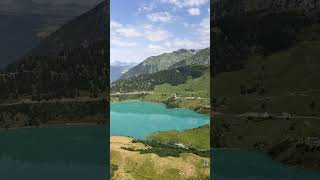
x=144, y=28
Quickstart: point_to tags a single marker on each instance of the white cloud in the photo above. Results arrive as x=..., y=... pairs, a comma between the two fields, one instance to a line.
x=194, y=11
x=204, y=27
x=128, y=32
x=136, y=42
x=168, y=44
x=131, y=55
x=186, y=3
x=195, y=3
x=160, y=17
x=157, y=35
x=203, y=30
x=145, y=9
x=184, y=43
x=115, y=41
x=152, y=46
x=115, y=24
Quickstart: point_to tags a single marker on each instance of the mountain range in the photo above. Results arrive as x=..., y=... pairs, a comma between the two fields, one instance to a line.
x=172, y=68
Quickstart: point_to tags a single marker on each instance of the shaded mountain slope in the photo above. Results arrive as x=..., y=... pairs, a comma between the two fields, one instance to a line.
x=70, y=62
x=84, y=30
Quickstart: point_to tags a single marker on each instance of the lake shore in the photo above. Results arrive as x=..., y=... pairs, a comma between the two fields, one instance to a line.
x=172, y=104
x=53, y=112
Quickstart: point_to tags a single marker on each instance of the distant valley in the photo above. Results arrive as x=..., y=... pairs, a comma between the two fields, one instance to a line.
x=117, y=69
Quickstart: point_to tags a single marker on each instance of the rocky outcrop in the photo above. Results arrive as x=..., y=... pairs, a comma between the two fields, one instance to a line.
x=201, y=57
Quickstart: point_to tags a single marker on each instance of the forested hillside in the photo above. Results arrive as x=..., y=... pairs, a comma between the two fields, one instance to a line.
x=66, y=75
x=63, y=80
x=148, y=82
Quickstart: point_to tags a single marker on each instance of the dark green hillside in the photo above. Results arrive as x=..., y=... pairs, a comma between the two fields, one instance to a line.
x=238, y=38
x=148, y=82
x=74, y=72
x=278, y=65
x=282, y=82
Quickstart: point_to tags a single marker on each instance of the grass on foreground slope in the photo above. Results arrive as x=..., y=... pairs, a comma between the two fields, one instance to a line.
x=133, y=165
x=199, y=87
x=198, y=138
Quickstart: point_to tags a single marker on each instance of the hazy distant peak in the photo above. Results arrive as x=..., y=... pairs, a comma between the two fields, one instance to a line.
x=123, y=63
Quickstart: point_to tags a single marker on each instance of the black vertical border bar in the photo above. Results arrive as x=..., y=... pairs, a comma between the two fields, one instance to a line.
x=107, y=99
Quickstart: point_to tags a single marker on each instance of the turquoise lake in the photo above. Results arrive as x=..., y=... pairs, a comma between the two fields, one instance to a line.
x=140, y=119
x=52, y=153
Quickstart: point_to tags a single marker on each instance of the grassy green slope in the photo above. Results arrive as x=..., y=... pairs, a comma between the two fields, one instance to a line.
x=285, y=80
x=200, y=86
x=193, y=94
x=198, y=138
x=282, y=82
